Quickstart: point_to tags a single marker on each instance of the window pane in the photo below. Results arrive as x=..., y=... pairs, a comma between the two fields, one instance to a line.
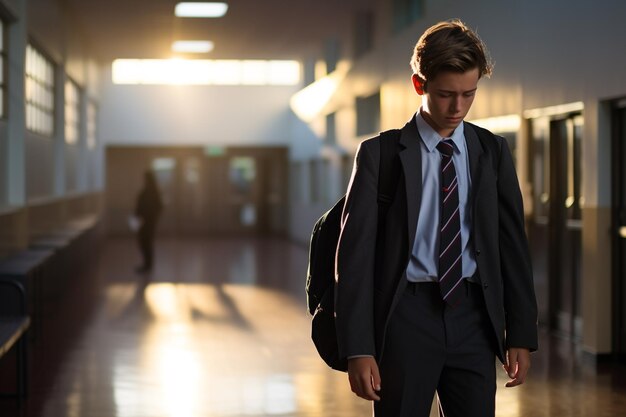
x=72, y=106
x=39, y=92
x=368, y=114
x=242, y=174
x=405, y=12
x=91, y=125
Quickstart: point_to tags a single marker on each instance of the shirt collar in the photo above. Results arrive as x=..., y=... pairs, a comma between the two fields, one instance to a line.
x=432, y=138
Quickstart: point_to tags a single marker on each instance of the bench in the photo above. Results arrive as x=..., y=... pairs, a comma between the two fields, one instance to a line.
x=13, y=327
x=29, y=268
x=33, y=282
x=71, y=246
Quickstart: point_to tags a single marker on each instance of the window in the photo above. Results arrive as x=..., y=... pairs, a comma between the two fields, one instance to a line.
x=91, y=125
x=347, y=164
x=368, y=114
x=331, y=131
x=314, y=181
x=296, y=182
x=242, y=174
x=3, y=69
x=324, y=185
x=363, y=32
x=39, y=93
x=308, y=71
x=405, y=12
x=331, y=54
x=72, y=112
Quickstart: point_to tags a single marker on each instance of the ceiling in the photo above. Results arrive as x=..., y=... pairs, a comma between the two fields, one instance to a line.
x=251, y=29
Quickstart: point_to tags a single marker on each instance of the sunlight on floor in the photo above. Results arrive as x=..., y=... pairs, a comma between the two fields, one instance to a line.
x=218, y=350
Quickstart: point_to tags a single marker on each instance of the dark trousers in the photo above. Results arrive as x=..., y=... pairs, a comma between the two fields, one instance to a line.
x=145, y=239
x=432, y=347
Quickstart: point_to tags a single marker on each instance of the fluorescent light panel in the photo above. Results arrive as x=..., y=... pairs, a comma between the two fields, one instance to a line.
x=200, y=9
x=195, y=47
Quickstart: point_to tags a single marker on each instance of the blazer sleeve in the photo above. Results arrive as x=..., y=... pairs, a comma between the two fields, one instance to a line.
x=520, y=305
x=354, y=315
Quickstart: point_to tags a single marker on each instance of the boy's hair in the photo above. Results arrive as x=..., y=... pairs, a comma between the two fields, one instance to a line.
x=449, y=46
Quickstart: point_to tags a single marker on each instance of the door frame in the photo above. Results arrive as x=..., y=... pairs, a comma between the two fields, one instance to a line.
x=618, y=171
x=552, y=267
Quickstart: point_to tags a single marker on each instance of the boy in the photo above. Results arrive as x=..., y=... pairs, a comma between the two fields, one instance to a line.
x=447, y=286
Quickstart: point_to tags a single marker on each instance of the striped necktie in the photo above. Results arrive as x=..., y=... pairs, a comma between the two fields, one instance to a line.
x=450, y=264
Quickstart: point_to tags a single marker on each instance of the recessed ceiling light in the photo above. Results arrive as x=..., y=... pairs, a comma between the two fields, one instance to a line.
x=195, y=47
x=201, y=9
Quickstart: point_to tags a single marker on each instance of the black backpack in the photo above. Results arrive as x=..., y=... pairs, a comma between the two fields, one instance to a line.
x=320, y=282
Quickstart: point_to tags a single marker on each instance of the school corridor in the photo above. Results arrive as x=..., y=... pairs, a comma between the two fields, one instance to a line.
x=236, y=123
x=220, y=329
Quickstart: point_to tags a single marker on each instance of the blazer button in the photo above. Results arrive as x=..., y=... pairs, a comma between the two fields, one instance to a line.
x=485, y=285
x=477, y=252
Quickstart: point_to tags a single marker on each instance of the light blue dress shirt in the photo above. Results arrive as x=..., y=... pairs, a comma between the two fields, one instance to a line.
x=424, y=260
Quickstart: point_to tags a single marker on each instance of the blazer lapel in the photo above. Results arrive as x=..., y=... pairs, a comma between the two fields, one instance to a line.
x=411, y=158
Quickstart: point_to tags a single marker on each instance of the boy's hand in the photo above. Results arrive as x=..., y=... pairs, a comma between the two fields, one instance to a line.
x=364, y=377
x=518, y=363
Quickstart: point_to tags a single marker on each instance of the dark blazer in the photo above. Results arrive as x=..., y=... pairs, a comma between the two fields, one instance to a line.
x=371, y=272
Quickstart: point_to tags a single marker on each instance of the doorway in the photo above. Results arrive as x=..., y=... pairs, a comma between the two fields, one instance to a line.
x=555, y=228
x=215, y=190
x=247, y=190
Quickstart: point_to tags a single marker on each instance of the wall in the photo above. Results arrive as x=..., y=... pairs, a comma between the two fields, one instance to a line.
x=4, y=163
x=53, y=29
x=205, y=115
x=43, y=180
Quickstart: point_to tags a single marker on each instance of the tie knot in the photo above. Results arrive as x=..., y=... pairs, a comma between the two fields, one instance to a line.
x=446, y=147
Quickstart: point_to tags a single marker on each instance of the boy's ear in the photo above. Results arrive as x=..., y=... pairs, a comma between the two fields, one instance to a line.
x=417, y=84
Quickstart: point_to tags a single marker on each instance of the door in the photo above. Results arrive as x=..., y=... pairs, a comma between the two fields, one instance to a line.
x=619, y=222
x=213, y=190
x=247, y=190
x=555, y=227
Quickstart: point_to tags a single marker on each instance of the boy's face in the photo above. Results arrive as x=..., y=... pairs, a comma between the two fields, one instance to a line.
x=448, y=98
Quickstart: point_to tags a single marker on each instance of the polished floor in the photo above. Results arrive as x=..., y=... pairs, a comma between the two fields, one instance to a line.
x=220, y=329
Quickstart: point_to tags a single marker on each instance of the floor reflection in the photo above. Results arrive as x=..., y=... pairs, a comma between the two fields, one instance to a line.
x=199, y=353
x=220, y=329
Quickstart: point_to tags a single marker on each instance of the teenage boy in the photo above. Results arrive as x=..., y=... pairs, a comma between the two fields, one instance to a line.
x=446, y=286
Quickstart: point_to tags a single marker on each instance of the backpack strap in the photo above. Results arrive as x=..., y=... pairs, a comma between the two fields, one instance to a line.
x=491, y=140
x=389, y=168
x=388, y=175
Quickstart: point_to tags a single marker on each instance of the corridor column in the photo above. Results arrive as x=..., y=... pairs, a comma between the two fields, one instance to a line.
x=15, y=163
x=596, y=238
x=60, y=181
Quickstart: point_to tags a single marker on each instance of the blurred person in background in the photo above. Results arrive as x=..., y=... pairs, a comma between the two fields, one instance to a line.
x=147, y=211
